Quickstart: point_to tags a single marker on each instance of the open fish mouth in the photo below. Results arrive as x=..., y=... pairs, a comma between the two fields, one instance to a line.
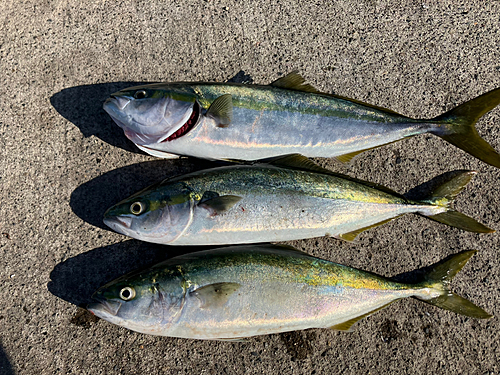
x=187, y=126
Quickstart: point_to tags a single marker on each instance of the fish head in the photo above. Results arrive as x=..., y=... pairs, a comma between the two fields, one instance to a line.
x=158, y=214
x=154, y=113
x=147, y=301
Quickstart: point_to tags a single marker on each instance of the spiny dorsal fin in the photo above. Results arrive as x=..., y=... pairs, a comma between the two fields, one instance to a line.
x=294, y=81
x=215, y=295
x=219, y=204
x=221, y=110
x=346, y=326
x=297, y=161
x=352, y=235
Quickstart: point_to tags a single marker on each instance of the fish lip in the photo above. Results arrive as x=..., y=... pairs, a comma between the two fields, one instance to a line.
x=116, y=221
x=102, y=307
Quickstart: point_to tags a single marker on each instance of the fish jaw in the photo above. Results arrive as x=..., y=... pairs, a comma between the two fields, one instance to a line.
x=106, y=310
x=119, y=224
x=151, y=121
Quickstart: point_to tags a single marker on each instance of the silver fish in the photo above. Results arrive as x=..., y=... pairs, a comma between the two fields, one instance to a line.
x=286, y=199
x=250, y=122
x=245, y=291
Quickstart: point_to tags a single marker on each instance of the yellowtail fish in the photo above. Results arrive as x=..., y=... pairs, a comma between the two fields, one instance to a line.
x=244, y=291
x=249, y=122
x=288, y=198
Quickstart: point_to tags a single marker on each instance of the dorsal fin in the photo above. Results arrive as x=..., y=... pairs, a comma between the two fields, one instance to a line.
x=294, y=81
x=346, y=326
x=296, y=161
x=300, y=162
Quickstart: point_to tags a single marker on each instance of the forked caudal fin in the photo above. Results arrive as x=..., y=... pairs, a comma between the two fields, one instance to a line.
x=457, y=127
x=444, y=195
x=439, y=277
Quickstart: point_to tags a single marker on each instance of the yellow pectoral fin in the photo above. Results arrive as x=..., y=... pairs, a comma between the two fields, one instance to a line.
x=221, y=110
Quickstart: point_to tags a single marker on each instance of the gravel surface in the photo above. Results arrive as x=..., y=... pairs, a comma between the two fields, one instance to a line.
x=64, y=163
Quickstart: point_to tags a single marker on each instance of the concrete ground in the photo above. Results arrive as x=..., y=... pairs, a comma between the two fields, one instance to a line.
x=63, y=163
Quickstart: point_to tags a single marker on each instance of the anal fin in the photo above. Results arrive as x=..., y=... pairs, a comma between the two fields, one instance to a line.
x=351, y=236
x=346, y=326
x=346, y=158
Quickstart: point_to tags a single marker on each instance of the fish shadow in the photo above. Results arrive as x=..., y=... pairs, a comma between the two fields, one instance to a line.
x=91, y=199
x=76, y=279
x=5, y=367
x=82, y=106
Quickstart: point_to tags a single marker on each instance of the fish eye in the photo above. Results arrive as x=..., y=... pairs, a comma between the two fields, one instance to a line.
x=140, y=94
x=127, y=293
x=137, y=208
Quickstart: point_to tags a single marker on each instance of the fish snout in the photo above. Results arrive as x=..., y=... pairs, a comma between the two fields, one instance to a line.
x=104, y=307
x=119, y=102
x=117, y=223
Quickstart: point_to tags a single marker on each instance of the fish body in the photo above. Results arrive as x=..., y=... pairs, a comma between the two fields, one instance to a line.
x=268, y=202
x=246, y=291
x=249, y=122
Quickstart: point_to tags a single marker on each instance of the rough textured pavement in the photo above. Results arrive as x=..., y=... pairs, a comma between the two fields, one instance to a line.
x=63, y=162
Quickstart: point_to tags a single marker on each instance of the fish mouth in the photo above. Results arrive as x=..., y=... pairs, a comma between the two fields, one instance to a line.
x=187, y=126
x=103, y=308
x=117, y=101
x=118, y=223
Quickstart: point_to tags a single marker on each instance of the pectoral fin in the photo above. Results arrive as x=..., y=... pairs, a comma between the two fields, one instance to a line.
x=219, y=204
x=215, y=295
x=221, y=110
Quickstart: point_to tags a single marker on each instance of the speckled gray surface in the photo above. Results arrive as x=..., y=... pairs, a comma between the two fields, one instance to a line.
x=64, y=162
